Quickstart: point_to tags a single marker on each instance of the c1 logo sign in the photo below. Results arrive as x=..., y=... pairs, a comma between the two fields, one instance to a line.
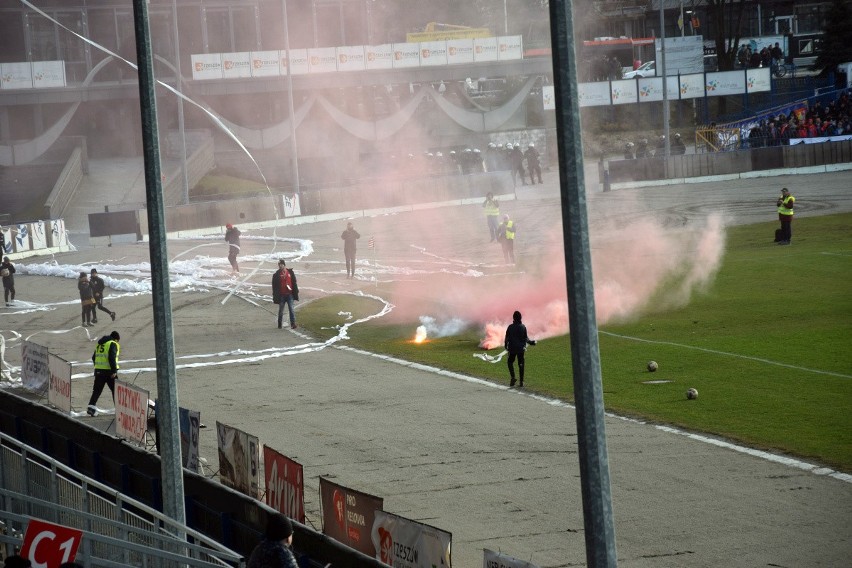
x=47, y=545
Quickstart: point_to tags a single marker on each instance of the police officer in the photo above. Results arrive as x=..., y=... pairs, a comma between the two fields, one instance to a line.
x=517, y=157
x=533, y=165
x=105, y=359
x=628, y=151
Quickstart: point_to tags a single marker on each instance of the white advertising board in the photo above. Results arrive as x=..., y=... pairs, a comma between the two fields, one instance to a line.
x=485, y=49
x=491, y=559
x=725, y=83
x=131, y=411
x=58, y=236
x=206, y=66
x=35, y=366
x=59, y=387
x=264, y=64
x=39, y=235
x=624, y=92
x=691, y=86
x=22, y=237
x=459, y=51
x=16, y=75
x=48, y=74
x=406, y=55
x=593, y=94
x=683, y=55
x=351, y=58
x=236, y=65
x=322, y=60
x=405, y=543
x=758, y=80
x=548, y=97
x=291, y=205
x=379, y=56
x=433, y=53
x=510, y=48
x=7, y=239
x=298, y=61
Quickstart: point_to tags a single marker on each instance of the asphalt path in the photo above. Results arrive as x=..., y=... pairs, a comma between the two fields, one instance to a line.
x=497, y=468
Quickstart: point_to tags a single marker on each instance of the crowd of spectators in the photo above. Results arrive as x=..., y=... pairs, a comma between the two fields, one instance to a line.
x=834, y=119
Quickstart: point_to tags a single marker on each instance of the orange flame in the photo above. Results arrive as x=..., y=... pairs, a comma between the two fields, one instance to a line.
x=420, y=334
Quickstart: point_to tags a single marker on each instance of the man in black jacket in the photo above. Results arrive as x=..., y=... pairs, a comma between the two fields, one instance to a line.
x=284, y=291
x=105, y=359
x=349, y=236
x=7, y=269
x=232, y=235
x=516, y=342
x=98, y=285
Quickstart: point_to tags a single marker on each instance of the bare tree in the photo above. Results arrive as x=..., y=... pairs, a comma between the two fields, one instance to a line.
x=728, y=16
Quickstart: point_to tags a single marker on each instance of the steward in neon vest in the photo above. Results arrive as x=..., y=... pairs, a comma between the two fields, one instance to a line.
x=785, y=205
x=105, y=359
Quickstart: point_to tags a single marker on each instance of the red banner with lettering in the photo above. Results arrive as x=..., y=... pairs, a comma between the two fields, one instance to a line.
x=348, y=515
x=285, y=484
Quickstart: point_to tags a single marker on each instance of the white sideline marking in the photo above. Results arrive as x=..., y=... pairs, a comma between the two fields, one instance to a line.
x=749, y=357
x=783, y=460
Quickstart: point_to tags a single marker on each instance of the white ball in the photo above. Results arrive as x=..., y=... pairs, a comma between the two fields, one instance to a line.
x=652, y=366
x=692, y=394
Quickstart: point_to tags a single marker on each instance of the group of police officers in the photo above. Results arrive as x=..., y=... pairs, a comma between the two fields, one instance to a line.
x=643, y=150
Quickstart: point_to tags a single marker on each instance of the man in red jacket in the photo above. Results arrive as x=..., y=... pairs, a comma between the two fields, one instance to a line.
x=284, y=291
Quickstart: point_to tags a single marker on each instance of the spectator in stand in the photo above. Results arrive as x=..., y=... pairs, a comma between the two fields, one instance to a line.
x=765, y=58
x=777, y=54
x=754, y=60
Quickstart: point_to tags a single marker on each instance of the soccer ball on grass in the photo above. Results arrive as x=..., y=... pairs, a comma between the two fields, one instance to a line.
x=692, y=394
x=652, y=366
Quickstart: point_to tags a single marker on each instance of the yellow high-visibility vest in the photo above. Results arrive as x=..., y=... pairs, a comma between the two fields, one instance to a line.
x=782, y=209
x=491, y=208
x=102, y=355
x=510, y=230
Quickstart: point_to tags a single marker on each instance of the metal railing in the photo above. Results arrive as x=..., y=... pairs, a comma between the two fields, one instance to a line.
x=117, y=531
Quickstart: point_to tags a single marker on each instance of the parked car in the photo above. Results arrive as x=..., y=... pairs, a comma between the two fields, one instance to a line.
x=647, y=69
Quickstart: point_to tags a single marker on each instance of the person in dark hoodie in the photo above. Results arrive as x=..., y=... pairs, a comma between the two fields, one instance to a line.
x=7, y=269
x=87, y=299
x=98, y=286
x=105, y=359
x=232, y=235
x=516, y=342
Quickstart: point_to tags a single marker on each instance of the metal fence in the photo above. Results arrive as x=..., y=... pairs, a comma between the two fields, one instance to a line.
x=117, y=531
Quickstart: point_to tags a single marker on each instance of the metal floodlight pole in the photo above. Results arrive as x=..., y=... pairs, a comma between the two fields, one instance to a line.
x=666, y=111
x=294, y=151
x=585, y=354
x=167, y=402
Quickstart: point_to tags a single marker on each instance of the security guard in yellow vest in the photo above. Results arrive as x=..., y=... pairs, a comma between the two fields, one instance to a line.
x=506, y=235
x=492, y=214
x=785, y=215
x=105, y=359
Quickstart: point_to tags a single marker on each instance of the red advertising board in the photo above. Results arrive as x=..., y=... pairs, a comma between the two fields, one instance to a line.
x=285, y=484
x=348, y=515
x=48, y=545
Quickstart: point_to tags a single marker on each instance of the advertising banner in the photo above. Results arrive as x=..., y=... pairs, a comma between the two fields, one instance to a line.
x=58, y=236
x=379, y=56
x=292, y=208
x=651, y=88
x=59, y=387
x=593, y=94
x=692, y=86
x=404, y=543
x=459, y=51
x=298, y=61
x=510, y=48
x=190, y=426
x=624, y=92
x=493, y=559
x=548, y=97
x=16, y=75
x=235, y=65
x=798, y=108
x=8, y=245
x=351, y=58
x=322, y=60
x=264, y=64
x=348, y=515
x=48, y=74
x=285, y=484
x=206, y=66
x=433, y=53
x=131, y=412
x=35, y=366
x=234, y=460
x=253, y=465
x=22, y=237
x=485, y=49
x=820, y=140
x=406, y=55
x=38, y=235
x=447, y=35
x=725, y=83
x=758, y=80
